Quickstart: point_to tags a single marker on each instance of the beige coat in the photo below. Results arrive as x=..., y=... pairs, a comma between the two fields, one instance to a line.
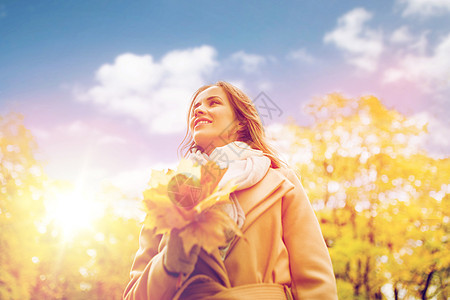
x=283, y=245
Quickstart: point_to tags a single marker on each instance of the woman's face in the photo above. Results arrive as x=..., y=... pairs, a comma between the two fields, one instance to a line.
x=213, y=122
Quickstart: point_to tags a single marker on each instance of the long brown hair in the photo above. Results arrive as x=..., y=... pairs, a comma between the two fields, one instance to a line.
x=253, y=131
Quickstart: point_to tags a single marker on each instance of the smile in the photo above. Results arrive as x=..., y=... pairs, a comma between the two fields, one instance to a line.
x=201, y=122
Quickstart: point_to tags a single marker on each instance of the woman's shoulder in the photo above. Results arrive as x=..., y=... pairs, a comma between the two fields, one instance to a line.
x=289, y=173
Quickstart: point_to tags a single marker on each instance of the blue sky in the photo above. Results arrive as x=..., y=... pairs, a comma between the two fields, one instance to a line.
x=104, y=85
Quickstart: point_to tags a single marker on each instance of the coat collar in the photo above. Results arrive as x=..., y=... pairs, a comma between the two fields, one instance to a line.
x=260, y=197
x=252, y=197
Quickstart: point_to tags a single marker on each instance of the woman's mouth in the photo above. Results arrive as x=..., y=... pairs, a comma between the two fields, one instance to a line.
x=201, y=122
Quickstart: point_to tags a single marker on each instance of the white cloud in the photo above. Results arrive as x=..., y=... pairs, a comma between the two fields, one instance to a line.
x=401, y=36
x=301, y=55
x=361, y=45
x=40, y=134
x=430, y=72
x=421, y=43
x=436, y=140
x=239, y=83
x=264, y=86
x=425, y=8
x=111, y=139
x=76, y=127
x=131, y=182
x=136, y=180
x=154, y=93
x=403, y=41
x=74, y=132
x=79, y=129
x=249, y=62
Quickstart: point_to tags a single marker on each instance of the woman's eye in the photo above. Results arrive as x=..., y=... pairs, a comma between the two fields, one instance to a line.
x=213, y=102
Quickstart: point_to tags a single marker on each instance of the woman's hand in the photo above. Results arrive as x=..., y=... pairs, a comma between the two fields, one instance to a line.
x=175, y=259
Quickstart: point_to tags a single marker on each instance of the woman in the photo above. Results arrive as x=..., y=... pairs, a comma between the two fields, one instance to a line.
x=282, y=254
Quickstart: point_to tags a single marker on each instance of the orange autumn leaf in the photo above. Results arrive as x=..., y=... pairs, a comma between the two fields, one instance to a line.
x=179, y=199
x=211, y=174
x=208, y=230
x=217, y=196
x=184, y=190
x=163, y=215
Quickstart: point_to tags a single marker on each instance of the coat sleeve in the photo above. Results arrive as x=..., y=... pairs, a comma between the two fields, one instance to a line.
x=312, y=274
x=149, y=280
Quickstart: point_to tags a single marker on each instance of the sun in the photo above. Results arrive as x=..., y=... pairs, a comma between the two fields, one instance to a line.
x=71, y=210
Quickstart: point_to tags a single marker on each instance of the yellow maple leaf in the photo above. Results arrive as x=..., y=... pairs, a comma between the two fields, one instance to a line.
x=217, y=196
x=160, y=178
x=189, y=167
x=211, y=174
x=163, y=215
x=208, y=230
x=187, y=199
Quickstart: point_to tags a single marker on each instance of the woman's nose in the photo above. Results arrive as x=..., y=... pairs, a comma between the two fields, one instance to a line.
x=199, y=111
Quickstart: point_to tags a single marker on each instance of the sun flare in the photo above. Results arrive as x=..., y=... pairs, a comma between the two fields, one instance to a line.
x=72, y=210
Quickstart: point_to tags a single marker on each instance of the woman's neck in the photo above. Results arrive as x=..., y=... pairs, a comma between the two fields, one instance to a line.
x=212, y=146
x=209, y=149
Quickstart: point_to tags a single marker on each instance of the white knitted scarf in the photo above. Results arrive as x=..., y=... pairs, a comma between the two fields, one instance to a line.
x=246, y=167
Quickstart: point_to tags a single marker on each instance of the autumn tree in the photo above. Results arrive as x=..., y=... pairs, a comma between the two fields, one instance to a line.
x=94, y=263
x=21, y=208
x=113, y=248
x=37, y=260
x=382, y=200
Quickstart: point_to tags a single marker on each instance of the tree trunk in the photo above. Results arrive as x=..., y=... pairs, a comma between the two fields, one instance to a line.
x=427, y=284
x=366, y=277
x=357, y=279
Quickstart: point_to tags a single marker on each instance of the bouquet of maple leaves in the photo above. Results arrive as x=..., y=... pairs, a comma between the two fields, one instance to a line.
x=190, y=200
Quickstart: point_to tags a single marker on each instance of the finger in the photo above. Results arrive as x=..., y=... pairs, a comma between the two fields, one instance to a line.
x=195, y=250
x=186, y=268
x=174, y=233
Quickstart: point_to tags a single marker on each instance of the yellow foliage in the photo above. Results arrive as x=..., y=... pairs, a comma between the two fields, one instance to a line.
x=181, y=200
x=383, y=202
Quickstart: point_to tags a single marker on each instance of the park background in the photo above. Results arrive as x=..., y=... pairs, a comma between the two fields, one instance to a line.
x=94, y=94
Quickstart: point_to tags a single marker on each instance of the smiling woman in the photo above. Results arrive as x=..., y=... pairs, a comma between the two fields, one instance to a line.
x=278, y=251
